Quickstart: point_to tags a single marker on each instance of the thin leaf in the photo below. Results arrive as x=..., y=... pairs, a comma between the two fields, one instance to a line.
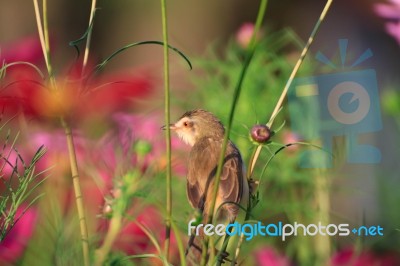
x=146, y=256
x=102, y=64
x=22, y=63
x=83, y=37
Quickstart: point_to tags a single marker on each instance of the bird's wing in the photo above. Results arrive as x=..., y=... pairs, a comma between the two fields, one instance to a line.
x=194, y=195
x=231, y=176
x=198, y=170
x=202, y=170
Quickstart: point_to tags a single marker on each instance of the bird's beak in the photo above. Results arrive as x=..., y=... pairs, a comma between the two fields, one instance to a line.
x=171, y=126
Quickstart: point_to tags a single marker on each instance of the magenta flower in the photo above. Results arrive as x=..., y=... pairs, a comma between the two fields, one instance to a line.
x=28, y=49
x=269, y=257
x=13, y=246
x=349, y=257
x=392, y=13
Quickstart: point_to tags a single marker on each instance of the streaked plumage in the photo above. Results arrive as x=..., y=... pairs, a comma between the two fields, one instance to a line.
x=204, y=132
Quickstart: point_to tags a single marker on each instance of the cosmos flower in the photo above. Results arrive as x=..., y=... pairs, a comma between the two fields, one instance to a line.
x=24, y=89
x=27, y=49
x=391, y=12
x=267, y=256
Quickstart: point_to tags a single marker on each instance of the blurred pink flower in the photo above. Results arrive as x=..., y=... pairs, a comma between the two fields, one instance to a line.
x=267, y=256
x=148, y=128
x=244, y=34
x=349, y=257
x=132, y=240
x=13, y=246
x=291, y=137
x=392, y=13
x=27, y=49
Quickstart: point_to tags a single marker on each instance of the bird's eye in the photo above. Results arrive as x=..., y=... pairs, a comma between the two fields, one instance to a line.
x=185, y=124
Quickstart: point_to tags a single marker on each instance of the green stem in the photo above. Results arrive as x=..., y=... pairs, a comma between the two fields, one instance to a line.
x=78, y=192
x=250, y=54
x=292, y=75
x=112, y=233
x=167, y=131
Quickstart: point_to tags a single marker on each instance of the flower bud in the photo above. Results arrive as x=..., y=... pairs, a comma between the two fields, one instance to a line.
x=142, y=147
x=260, y=133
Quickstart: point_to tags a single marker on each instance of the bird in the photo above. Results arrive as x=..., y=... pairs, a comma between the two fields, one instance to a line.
x=204, y=132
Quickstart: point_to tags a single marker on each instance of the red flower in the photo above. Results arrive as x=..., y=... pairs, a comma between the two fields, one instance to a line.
x=23, y=89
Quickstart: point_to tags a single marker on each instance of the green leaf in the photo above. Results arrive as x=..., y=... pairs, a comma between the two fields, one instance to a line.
x=102, y=64
x=84, y=36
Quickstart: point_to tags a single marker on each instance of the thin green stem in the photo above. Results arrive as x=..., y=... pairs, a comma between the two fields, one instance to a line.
x=181, y=248
x=167, y=131
x=89, y=36
x=292, y=75
x=112, y=233
x=250, y=54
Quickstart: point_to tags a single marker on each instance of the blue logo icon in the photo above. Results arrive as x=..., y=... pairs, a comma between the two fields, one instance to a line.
x=341, y=104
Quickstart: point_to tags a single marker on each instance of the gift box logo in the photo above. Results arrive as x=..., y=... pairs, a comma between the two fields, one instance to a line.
x=341, y=104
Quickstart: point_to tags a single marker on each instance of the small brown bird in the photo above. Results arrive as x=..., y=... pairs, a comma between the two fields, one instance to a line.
x=205, y=133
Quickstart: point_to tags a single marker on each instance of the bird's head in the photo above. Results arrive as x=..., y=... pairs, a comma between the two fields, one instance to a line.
x=196, y=124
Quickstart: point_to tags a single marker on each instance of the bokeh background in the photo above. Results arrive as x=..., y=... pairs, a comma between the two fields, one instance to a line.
x=113, y=126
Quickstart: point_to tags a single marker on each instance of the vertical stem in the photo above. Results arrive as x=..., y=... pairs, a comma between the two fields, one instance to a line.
x=112, y=233
x=293, y=74
x=78, y=192
x=45, y=43
x=167, y=131
x=89, y=36
x=250, y=53
x=47, y=40
x=40, y=31
x=322, y=244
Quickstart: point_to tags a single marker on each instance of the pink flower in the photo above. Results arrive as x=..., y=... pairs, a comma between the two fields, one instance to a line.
x=291, y=137
x=28, y=49
x=392, y=13
x=13, y=246
x=244, y=34
x=269, y=257
x=133, y=127
x=349, y=257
